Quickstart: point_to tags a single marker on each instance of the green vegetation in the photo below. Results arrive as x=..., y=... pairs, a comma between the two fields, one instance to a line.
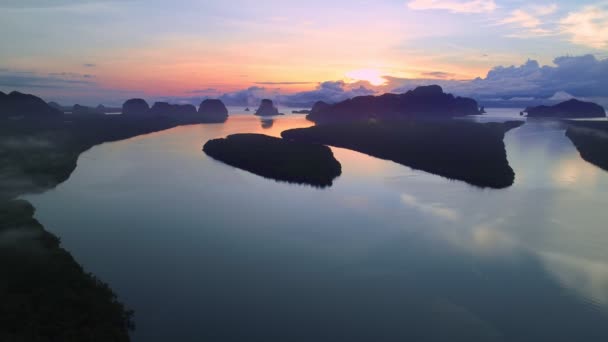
x=276, y=158
x=45, y=294
x=456, y=149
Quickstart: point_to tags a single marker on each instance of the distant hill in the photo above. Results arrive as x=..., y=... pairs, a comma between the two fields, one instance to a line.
x=568, y=109
x=84, y=110
x=172, y=109
x=135, y=107
x=17, y=104
x=427, y=101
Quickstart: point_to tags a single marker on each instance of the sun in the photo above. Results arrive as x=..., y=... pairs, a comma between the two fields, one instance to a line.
x=373, y=76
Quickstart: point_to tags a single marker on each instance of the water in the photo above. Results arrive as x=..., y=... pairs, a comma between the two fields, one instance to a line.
x=205, y=252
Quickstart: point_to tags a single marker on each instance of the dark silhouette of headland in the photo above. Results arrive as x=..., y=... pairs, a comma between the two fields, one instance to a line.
x=427, y=101
x=568, y=109
x=17, y=105
x=276, y=158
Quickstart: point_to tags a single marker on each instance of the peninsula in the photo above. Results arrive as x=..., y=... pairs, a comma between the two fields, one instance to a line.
x=455, y=149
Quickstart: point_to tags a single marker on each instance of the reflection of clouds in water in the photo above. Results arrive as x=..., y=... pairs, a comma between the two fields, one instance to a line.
x=489, y=237
x=357, y=202
x=435, y=209
x=575, y=172
x=588, y=277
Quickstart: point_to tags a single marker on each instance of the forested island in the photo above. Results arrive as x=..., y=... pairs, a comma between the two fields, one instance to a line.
x=424, y=102
x=455, y=149
x=568, y=109
x=276, y=158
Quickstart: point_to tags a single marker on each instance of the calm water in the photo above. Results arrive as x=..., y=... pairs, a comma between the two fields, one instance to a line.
x=205, y=252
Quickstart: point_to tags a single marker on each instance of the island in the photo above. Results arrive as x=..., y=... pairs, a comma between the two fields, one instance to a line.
x=591, y=141
x=568, y=109
x=267, y=108
x=213, y=110
x=278, y=159
x=455, y=149
x=303, y=111
x=426, y=101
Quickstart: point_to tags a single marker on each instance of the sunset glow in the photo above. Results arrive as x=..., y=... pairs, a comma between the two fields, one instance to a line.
x=373, y=76
x=195, y=49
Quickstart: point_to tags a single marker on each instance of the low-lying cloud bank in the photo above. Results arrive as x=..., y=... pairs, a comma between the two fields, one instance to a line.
x=583, y=77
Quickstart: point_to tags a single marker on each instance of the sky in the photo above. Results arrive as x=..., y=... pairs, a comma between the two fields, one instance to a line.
x=106, y=51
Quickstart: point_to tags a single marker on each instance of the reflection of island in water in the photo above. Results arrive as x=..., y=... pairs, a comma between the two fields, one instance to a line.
x=277, y=158
x=267, y=123
x=45, y=294
x=471, y=152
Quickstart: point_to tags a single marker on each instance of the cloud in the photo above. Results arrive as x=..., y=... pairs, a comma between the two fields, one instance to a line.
x=588, y=27
x=529, y=83
x=204, y=91
x=435, y=209
x=48, y=4
x=70, y=75
x=530, y=21
x=438, y=74
x=580, y=76
x=545, y=9
x=454, y=6
x=248, y=97
x=283, y=83
x=89, y=65
x=331, y=92
x=27, y=79
x=561, y=96
x=522, y=18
